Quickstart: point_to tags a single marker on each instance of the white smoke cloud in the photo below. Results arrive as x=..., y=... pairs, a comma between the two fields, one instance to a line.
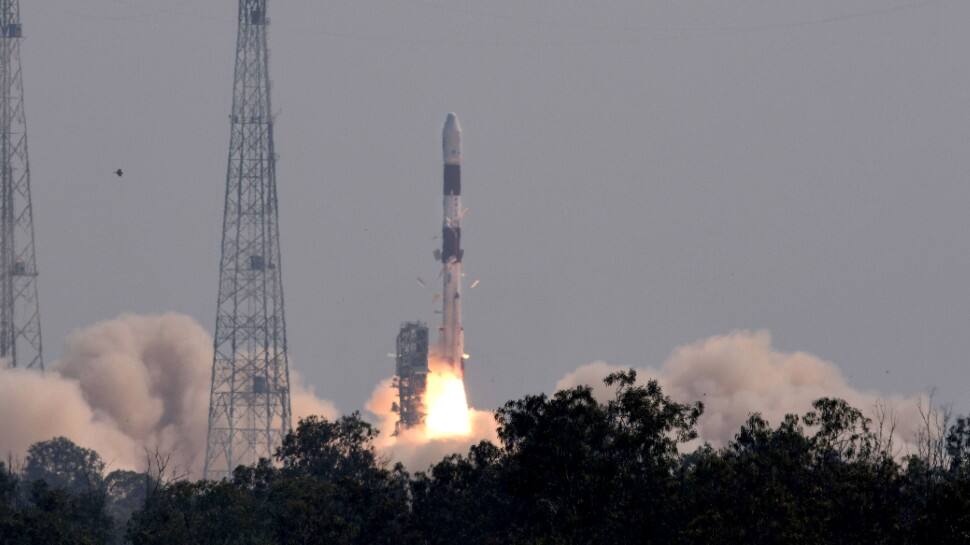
x=139, y=382
x=304, y=401
x=739, y=374
x=412, y=447
x=124, y=385
x=38, y=407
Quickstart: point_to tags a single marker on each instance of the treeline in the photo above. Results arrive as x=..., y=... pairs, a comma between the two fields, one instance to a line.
x=568, y=470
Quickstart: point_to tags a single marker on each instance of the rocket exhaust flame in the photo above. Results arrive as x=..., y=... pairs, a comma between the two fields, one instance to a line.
x=450, y=425
x=446, y=406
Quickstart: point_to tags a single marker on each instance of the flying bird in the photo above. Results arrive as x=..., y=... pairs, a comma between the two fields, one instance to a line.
x=119, y=173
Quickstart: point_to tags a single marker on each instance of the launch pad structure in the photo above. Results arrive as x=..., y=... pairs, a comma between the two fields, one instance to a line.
x=20, y=338
x=411, y=378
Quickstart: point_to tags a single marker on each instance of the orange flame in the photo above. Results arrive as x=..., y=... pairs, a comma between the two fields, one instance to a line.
x=446, y=406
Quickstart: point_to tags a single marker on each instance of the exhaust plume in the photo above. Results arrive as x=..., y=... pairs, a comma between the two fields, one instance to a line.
x=124, y=385
x=739, y=374
x=451, y=426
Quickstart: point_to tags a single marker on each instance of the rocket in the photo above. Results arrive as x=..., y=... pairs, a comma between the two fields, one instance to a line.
x=452, y=335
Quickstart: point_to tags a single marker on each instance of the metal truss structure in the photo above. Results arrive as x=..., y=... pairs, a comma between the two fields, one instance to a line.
x=412, y=375
x=20, y=337
x=249, y=408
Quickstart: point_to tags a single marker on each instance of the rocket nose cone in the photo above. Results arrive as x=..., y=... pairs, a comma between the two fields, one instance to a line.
x=451, y=123
x=451, y=140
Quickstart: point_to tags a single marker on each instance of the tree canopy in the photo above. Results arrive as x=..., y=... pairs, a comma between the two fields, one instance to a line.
x=567, y=469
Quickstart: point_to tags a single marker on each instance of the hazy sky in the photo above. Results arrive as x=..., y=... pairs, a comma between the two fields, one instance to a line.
x=640, y=174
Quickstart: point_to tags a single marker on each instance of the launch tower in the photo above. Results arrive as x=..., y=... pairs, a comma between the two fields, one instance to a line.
x=249, y=408
x=20, y=339
x=412, y=374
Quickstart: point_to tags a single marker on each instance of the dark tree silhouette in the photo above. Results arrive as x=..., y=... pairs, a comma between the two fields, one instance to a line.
x=567, y=469
x=63, y=465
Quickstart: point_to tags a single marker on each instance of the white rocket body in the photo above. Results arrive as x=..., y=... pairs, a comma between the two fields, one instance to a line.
x=452, y=338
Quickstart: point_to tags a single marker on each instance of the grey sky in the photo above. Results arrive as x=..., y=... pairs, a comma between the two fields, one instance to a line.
x=639, y=175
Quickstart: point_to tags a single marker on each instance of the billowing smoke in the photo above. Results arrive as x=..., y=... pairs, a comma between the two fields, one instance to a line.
x=413, y=447
x=142, y=382
x=734, y=375
x=739, y=374
x=123, y=386
x=38, y=407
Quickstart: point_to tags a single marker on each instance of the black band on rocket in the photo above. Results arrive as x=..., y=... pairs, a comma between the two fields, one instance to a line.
x=452, y=180
x=451, y=248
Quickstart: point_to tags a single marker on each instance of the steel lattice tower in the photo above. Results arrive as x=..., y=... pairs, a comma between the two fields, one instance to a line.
x=411, y=375
x=249, y=407
x=20, y=339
